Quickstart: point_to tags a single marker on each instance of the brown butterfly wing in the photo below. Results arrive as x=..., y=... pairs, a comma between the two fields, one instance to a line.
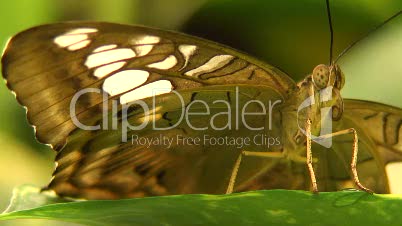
x=96, y=164
x=382, y=123
x=336, y=160
x=379, y=130
x=45, y=67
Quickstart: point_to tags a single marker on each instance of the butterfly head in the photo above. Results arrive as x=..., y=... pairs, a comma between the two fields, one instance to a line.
x=325, y=76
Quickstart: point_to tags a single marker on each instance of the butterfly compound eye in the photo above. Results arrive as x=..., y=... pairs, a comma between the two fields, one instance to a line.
x=320, y=76
x=339, y=77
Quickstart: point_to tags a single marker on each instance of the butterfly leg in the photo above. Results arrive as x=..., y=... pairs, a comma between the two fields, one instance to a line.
x=309, y=157
x=354, y=154
x=238, y=161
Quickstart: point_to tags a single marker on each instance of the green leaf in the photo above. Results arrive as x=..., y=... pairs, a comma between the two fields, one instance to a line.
x=278, y=207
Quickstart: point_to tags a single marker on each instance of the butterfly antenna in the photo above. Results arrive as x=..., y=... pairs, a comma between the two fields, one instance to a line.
x=367, y=34
x=331, y=44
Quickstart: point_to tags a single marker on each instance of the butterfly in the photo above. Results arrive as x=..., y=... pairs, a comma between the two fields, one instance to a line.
x=105, y=137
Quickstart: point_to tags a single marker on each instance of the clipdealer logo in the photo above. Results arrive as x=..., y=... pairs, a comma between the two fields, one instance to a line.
x=188, y=111
x=240, y=114
x=206, y=140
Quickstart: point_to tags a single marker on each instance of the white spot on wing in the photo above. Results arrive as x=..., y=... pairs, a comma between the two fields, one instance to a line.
x=143, y=50
x=167, y=63
x=214, y=63
x=105, y=47
x=67, y=40
x=110, y=56
x=147, y=39
x=393, y=173
x=124, y=81
x=5, y=46
x=26, y=111
x=144, y=44
x=107, y=69
x=149, y=90
x=153, y=111
x=148, y=118
x=74, y=39
x=79, y=45
x=187, y=51
x=81, y=31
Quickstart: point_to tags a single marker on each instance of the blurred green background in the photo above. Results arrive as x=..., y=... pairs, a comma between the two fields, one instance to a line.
x=292, y=35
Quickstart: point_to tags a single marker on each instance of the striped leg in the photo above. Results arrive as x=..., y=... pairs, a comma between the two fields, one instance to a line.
x=355, y=150
x=238, y=161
